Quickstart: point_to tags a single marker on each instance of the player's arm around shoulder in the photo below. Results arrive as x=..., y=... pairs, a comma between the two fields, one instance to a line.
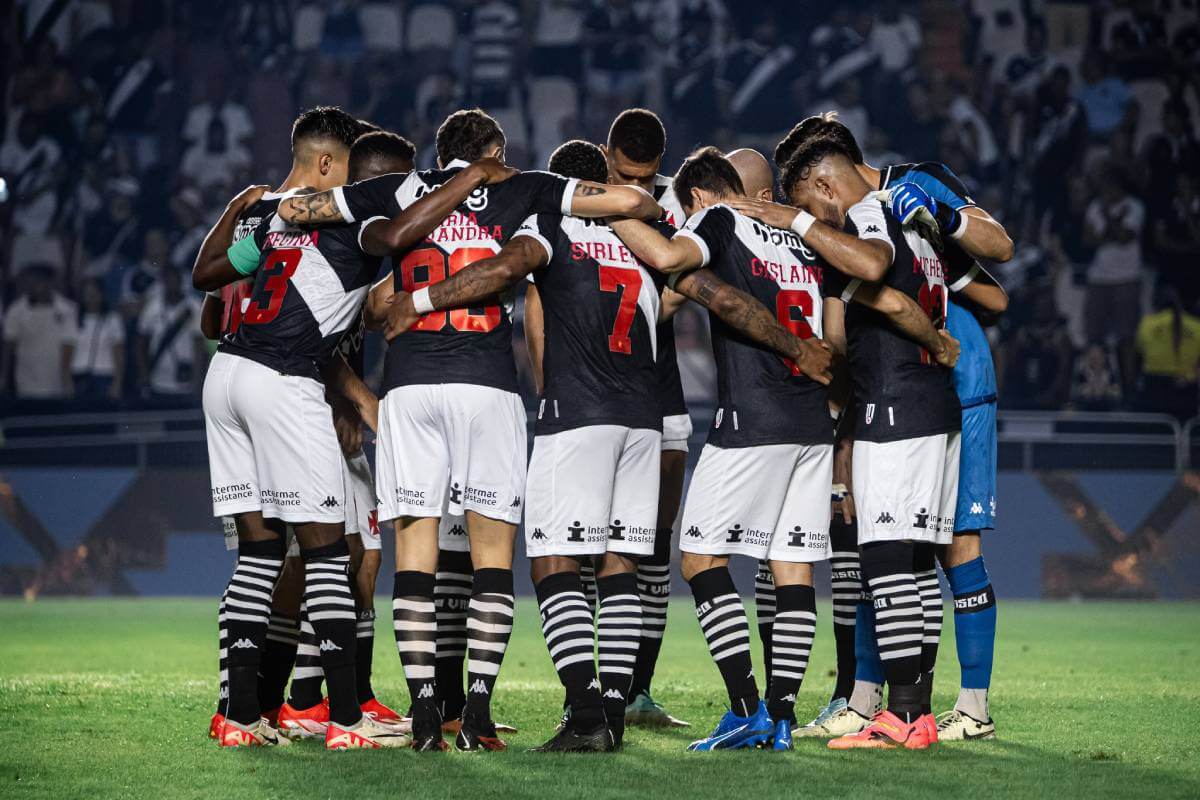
x=215, y=265
x=906, y=316
x=679, y=253
x=591, y=200
x=977, y=231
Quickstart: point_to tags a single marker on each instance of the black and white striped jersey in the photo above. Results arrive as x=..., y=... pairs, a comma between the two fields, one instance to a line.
x=600, y=306
x=762, y=398
x=309, y=289
x=467, y=345
x=901, y=392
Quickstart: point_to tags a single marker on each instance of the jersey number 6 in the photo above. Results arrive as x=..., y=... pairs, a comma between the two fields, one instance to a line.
x=786, y=303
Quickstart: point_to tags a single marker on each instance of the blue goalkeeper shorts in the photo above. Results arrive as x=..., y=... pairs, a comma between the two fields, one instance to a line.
x=977, y=469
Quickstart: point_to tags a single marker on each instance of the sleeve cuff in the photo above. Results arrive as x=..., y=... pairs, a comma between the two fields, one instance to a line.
x=962, y=282
x=539, y=239
x=363, y=227
x=850, y=289
x=568, y=193
x=339, y=197
x=705, y=256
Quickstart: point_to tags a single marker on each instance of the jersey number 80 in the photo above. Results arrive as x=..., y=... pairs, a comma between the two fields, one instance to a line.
x=436, y=263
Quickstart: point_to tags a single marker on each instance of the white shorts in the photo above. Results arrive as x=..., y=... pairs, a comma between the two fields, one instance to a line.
x=271, y=444
x=677, y=430
x=907, y=490
x=593, y=490
x=452, y=447
x=768, y=501
x=362, y=518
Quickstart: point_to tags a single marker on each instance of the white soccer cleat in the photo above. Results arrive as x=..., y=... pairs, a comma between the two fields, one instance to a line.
x=955, y=726
x=366, y=735
x=835, y=720
x=256, y=734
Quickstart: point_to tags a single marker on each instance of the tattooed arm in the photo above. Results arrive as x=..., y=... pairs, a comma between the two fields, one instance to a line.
x=909, y=318
x=747, y=315
x=470, y=286
x=310, y=209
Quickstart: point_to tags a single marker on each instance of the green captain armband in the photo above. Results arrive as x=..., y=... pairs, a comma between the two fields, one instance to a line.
x=244, y=255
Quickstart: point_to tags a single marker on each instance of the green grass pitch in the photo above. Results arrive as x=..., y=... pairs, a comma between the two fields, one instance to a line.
x=111, y=698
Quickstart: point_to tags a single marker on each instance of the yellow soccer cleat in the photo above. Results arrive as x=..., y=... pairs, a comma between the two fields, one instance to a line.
x=955, y=726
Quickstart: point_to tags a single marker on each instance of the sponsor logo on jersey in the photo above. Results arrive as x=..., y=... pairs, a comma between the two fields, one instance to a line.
x=923, y=520
x=796, y=537
x=781, y=238
x=885, y=518
x=616, y=531
x=330, y=502
x=455, y=493
x=575, y=532
x=328, y=646
x=279, y=497
x=479, y=687
x=481, y=496
x=735, y=533
x=233, y=491
x=413, y=496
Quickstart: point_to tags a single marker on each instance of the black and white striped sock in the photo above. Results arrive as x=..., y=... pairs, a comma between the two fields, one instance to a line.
x=246, y=608
x=451, y=598
x=846, y=587
x=308, y=675
x=587, y=575
x=925, y=571
x=791, y=642
x=278, y=658
x=570, y=637
x=222, y=659
x=414, y=621
x=654, y=590
x=489, y=626
x=899, y=622
x=764, y=612
x=618, y=631
x=329, y=602
x=723, y=621
x=364, y=654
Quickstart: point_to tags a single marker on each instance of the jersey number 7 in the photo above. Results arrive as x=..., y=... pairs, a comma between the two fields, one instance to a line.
x=629, y=283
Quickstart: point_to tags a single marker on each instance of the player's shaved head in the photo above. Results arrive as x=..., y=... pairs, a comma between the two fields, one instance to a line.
x=821, y=177
x=755, y=172
x=380, y=152
x=706, y=177
x=579, y=159
x=469, y=134
x=826, y=125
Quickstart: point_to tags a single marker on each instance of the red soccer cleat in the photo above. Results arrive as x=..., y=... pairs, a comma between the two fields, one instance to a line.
x=381, y=713
x=304, y=723
x=214, y=726
x=887, y=732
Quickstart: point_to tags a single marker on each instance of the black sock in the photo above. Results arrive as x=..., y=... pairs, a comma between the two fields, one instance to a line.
x=415, y=624
x=489, y=626
x=247, y=611
x=791, y=642
x=723, y=621
x=654, y=589
x=278, y=658
x=329, y=602
x=567, y=626
x=618, y=630
x=451, y=599
x=899, y=622
x=846, y=585
x=308, y=674
x=364, y=654
x=925, y=571
x=764, y=613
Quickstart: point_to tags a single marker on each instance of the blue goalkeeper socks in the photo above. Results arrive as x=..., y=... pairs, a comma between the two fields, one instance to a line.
x=868, y=666
x=974, y=622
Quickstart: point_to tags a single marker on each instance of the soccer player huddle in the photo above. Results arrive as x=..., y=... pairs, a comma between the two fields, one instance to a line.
x=855, y=422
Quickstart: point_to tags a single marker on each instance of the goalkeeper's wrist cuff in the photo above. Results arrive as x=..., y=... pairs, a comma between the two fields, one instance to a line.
x=421, y=302
x=802, y=223
x=959, y=225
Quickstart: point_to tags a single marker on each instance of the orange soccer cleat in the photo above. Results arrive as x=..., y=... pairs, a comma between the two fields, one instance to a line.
x=256, y=734
x=214, y=726
x=304, y=723
x=382, y=714
x=366, y=734
x=887, y=731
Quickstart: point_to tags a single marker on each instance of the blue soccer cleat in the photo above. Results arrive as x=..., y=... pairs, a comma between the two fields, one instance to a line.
x=734, y=732
x=782, y=740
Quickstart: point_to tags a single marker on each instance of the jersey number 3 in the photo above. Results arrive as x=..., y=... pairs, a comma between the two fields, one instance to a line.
x=435, y=264
x=629, y=283
x=277, y=271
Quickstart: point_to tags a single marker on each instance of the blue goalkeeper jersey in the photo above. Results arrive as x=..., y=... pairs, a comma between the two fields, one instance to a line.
x=974, y=375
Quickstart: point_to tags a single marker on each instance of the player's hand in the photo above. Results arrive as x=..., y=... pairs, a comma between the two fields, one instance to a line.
x=907, y=200
x=493, y=170
x=777, y=215
x=814, y=358
x=348, y=426
x=843, y=500
x=249, y=196
x=948, y=355
x=401, y=315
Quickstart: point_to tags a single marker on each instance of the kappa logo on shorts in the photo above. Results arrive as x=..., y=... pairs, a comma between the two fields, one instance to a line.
x=330, y=502
x=457, y=530
x=693, y=532
x=872, y=229
x=735, y=533
x=516, y=503
x=455, y=494
x=537, y=534
x=616, y=531
x=885, y=518
x=576, y=532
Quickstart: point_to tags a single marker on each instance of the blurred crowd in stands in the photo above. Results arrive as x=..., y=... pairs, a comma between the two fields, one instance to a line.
x=127, y=126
